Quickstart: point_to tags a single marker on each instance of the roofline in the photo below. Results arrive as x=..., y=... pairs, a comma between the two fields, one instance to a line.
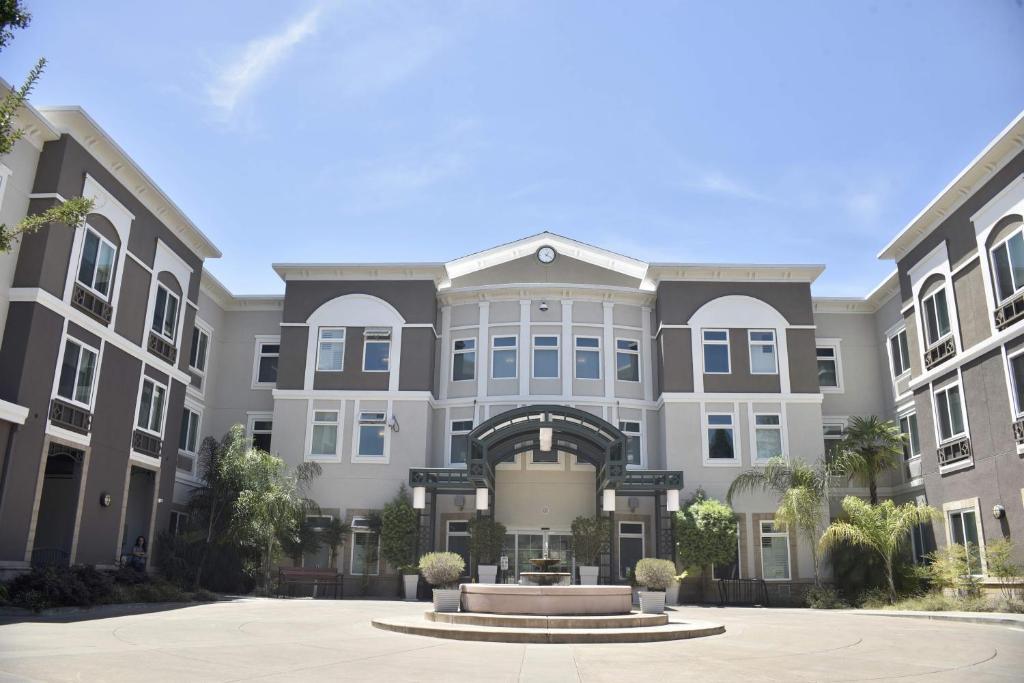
x=1007, y=143
x=200, y=244
x=763, y=272
x=222, y=296
x=880, y=295
x=40, y=129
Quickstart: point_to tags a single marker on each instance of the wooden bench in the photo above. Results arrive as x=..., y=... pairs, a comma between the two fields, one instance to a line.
x=288, y=577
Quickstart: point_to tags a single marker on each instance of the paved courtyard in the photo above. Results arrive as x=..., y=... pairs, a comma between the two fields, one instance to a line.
x=296, y=640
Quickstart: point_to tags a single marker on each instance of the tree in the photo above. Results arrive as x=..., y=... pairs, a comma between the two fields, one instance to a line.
x=73, y=211
x=299, y=538
x=589, y=537
x=486, y=539
x=869, y=448
x=883, y=529
x=333, y=536
x=705, y=533
x=802, y=491
x=398, y=531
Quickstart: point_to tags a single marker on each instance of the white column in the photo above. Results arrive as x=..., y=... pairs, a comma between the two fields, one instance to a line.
x=483, y=351
x=524, y=347
x=646, y=353
x=395, y=361
x=608, y=342
x=445, y=374
x=568, y=346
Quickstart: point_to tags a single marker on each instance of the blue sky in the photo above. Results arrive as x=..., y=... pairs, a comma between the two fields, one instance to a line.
x=787, y=132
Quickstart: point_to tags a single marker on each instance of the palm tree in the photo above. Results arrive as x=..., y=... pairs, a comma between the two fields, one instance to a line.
x=870, y=447
x=333, y=536
x=883, y=528
x=802, y=491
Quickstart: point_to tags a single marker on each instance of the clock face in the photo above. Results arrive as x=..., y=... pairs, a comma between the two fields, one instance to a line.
x=546, y=254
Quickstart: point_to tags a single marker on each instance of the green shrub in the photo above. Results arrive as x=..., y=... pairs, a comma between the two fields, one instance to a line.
x=951, y=568
x=4, y=595
x=46, y=587
x=486, y=539
x=398, y=531
x=442, y=570
x=655, y=574
x=1003, y=568
x=590, y=535
x=824, y=597
x=203, y=595
x=705, y=533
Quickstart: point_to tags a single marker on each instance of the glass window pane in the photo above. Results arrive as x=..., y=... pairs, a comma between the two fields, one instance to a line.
x=331, y=357
x=719, y=419
x=545, y=341
x=956, y=413
x=775, y=557
x=371, y=440
x=627, y=345
x=159, y=309
x=183, y=433
x=504, y=364
x=104, y=268
x=720, y=443
x=716, y=358
x=460, y=449
x=588, y=364
x=1016, y=250
x=945, y=429
x=377, y=356
x=267, y=370
x=1004, y=275
x=716, y=335
x=87, y=267
x=897, y=358
x=762, y=358
x=942, y=313
x=86, y=368
x=158, y=409
x=464, y=365
x=764, y=336
x=1017, y=370
x=631, y=551
x=827, y=376
x=325, y=440
x=915, y=443
x=68, y=371
x=633, y=450
x=545, y=363
x=171, y=317
x=769, y=443
x=627, y=367
x=145, y=404
x=588, y=342
x=504, y=342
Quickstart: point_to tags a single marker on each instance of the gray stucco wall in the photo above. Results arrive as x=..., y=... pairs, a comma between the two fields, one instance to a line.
x=678, y=301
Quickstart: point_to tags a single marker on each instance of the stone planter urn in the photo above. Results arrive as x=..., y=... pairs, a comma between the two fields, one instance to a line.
x=672, y=594
x=488, y=573
x=588, y=575
x=652, y=602
x=446, y=599
x=410, y=582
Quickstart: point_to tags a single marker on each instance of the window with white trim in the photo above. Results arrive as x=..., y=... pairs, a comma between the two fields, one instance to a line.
x=199, y=350
x=504, y=357
x=963, y=530
x=457, y=539
x=631, y=546
x=936, y=316
x=832, y=433
x=950, y=413
x=261, y=433
x=267, y=353
x=627, y=360
x=545, y=357
x=588, y=358
x=1008, y=266
x=188, y=440
x=365, y=549
x=77, y=373
x=165, y=313
x=721, y=436
x=768, y=435
x=774, y=553
x=1016, y=365
x=763, y=354
x=96, y=267
x=324, y=440
x=828, y=366
x=321, y=557
x=634, y=442
x=330, y=349
x=716, y=351
x=459, y=447
x=151, y=407
x=911, y=442
x=899, y=353
x=464, y=359
x=376, y=349
x=372, y=429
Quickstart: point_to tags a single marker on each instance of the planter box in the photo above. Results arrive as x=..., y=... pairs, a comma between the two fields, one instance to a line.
x=652, y=602
x=487, y=573
x=446, y=599
x=410, y=582
x=672, y=594
x=588, y=575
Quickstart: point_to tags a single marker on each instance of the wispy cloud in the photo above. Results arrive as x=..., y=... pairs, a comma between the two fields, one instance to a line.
x=379, y=62
x=258, y=58
x=718, y=183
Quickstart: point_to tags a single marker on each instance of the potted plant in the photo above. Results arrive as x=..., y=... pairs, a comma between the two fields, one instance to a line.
x=442, y=571
x=657, y=576
x=486, y=538
x=589, y=538
x=398, y=539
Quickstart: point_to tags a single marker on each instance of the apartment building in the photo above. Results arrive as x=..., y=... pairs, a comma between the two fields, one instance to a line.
x=535, y=381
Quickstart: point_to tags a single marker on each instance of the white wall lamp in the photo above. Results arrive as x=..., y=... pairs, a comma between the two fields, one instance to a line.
x=419, y=497
x=482, y=499
x=672, y=500
x=546, y=435
x=608, y=500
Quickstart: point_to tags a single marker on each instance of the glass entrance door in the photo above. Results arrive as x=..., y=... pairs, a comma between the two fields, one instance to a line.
x=521, y=546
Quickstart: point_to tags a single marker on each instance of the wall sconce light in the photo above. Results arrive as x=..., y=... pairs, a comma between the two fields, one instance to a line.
x=998, y=511
x=608, y=500
x=106, y=499
x=419, y=497
x=460, y=501
x=634, y=503
x=481, y=499
x=546, y=434
x=393, y=423
x=543, y=307
x=672, y=500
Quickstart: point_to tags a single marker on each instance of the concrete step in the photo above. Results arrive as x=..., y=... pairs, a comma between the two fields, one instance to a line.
x=633, y=620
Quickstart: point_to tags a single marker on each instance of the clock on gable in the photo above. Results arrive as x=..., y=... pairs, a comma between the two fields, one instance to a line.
x=546, y=254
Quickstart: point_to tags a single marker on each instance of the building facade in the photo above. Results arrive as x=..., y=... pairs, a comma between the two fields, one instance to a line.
x=536, y=381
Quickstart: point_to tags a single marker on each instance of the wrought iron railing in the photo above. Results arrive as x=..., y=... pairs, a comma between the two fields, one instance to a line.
x=954, y=452
x=162, y=348
x=1010, y=312
x=71, y=417
x=742, y=592
x=50, y=557
x=147, y=444
x=91, y=304
x=939, y=353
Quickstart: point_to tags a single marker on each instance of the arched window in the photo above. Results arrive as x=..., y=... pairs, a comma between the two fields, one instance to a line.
x=1006, y=250
x=935, y=310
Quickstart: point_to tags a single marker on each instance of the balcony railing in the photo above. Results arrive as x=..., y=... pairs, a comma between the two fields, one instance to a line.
x=939, y=353
x=954, y=452
x=147, y=444
x=71, y=417
x=92, y=305
x=1010, y=312
x=1018, y=431
x=162, y=348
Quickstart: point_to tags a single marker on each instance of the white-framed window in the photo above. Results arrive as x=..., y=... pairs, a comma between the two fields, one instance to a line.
x=77, y=373
x=716, y=351
x=588, y=357
x=330, y=349
x=165, y=313
x=504, y=357
x=200, y=348
x=936, y=316
x=178, y=523
x=949, y=413
x=151, y=407
x=324, y=439
x=365, y=549
x=264, y=371
x=377, y=349
x=721, y=436
x=1008, y=266
x=371, y=434
x=1016, y=367
x=96, y=267
x=774, y=553
x=631, y=546
x=545, y=356
x=963, y=530
x=261, y=430
x=457, y=539
x=188, y=438
x=321, y=557
x=627, y=360
x=832, y=433
x=767, y=436
x=458, y=453
x=464, y=359
x=733, y=570
x=911, y=443
x=899, y=353
x=763, y=353
x=634, y=442
x=830, y=369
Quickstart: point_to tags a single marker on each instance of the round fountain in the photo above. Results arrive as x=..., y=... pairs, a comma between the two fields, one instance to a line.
x=544, y=575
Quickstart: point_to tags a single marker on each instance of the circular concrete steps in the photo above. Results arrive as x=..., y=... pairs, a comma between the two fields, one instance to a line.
x=596, y=630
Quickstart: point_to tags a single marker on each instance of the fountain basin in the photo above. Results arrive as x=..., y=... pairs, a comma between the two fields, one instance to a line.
x=546, y=600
